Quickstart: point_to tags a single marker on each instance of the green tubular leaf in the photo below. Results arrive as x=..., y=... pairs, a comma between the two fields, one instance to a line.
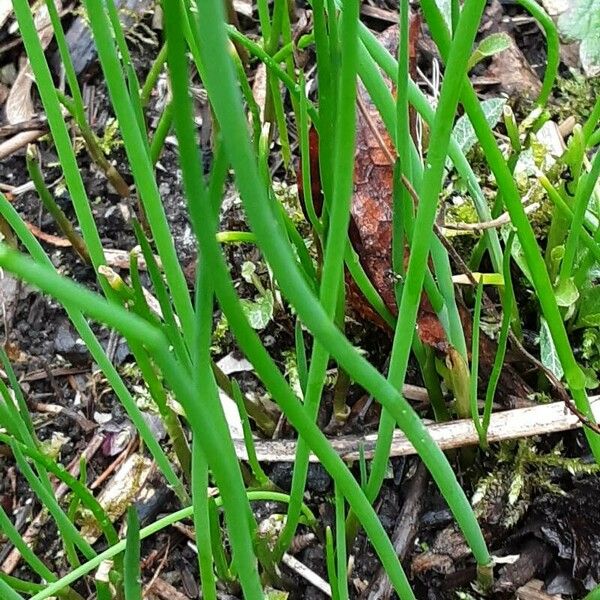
x=153, y=75
x=340, y=545
x=402, y=214
x=172, y=329
x=97, y=351
x=84, y=495
x=12, y=420
x=507, y=309
x=65, y=56
x=273, y=66
x=535, y=262
x=552, y=47
x=160, y=134
x=366, y=286
x=301, y=355
x=132, y=80
x=221, y=86
x=202, y=523
x=18, y=585
x=90, y=565
x=84, y=215
x=591, y=138
x=585, y=189
x=257, y=470
x=330, y=562
x=7, y=592
x=58, y=128
x=8, y=529
x=218, y=446
x=16, y=388
x=218, y=548
x=332, y=275
x=115, y=316
x=132, y=576
x=450, y=318
x=388, y=64
x=362, y=281
x=271, y=376
x=141, y=165
x=440, y=139
x=475, y=363
x=68, y=530
x=304, y=132
x=215, y=438
x=103, y=591
x=567, y=211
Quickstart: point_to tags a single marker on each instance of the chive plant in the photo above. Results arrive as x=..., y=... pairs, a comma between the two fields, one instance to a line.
x=174, y=351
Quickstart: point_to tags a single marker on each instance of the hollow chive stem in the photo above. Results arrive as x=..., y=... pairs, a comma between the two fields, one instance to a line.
x=222, y=90
x=332, y=273
x=33, y=167
x=506, y=183
x=552, y=47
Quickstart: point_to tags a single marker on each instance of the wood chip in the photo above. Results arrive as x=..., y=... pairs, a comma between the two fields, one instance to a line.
x=165, y=590
x=120, y=492
x=243, y=7
x=533, y=591
x=5, y=11
x=381, y=14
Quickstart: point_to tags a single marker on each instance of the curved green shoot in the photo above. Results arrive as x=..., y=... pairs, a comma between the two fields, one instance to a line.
x=552, y=47
x=221, y=86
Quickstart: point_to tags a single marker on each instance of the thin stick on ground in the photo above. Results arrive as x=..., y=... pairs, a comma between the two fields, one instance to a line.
x=506, y=425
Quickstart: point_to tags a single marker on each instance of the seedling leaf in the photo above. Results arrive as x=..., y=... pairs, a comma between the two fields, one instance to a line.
x=548, y=353
x=581, y=23
x=492, y=44
x=259, y=311
x=566, y=293
x=464, y=133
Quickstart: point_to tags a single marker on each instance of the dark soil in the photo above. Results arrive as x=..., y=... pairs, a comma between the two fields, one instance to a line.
x=560, y=532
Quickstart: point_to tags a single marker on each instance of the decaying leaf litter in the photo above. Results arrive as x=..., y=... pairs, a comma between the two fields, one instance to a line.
x=523, y=490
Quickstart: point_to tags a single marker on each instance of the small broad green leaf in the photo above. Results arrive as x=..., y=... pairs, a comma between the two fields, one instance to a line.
x=590, y=344
x=557, y=254
x=548, y=353
x=566, y=293
x=248, y=269
x=464, y=133
x=517, y=253
x=581, y=23
x=516, y=487
x=273, y=594
x=591, y=378
x=492, y=44
x=589, y=308
x=591, y=320
x=259, y=311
